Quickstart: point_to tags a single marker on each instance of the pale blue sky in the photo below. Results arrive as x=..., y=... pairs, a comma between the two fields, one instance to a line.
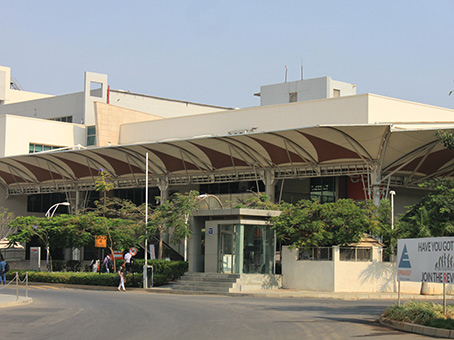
x=221, y=52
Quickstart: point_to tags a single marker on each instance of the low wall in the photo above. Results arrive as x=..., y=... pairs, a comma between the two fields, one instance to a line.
x=306, y=275
x=348, y=276
x=248, y=282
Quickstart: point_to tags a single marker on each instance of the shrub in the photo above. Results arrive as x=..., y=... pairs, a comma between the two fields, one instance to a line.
x=87, y=278
x=163, y=272
x=73, y=265
x=58, y=265
x=422, y=313
x=171, y=269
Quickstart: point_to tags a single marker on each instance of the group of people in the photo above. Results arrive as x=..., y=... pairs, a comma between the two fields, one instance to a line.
x=124, y=268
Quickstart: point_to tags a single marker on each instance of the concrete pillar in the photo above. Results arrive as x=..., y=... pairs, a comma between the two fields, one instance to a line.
x=164, y=189
x=270, y=185
x=77, y=203
x=375, y=184
x=336, y=254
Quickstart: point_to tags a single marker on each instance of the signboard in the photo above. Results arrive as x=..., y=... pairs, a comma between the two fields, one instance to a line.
x=118, y=255
x=35, y=258
x=152, y=252
x=426, y=259
x=100, y=241
x=133, y=251
x=210, y=230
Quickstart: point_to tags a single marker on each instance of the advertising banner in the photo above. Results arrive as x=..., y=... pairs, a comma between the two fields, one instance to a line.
x=426, y=259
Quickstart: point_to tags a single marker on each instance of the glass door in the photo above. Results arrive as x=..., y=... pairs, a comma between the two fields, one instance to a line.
x=227, y=249
x=258, y=253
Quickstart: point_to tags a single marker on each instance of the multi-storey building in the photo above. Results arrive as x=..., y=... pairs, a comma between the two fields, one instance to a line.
x=312, y=138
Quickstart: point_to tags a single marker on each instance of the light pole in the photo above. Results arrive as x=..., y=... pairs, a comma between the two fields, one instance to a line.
x=392, y=193
x=205, y=196
x=49, y=214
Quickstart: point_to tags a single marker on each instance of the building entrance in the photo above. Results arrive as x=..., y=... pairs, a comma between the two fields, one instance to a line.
x=227, y=249
x=246, y=249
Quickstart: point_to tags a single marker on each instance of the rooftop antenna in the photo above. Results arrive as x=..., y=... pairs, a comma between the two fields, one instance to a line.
x=286, y=69
x=302, y=69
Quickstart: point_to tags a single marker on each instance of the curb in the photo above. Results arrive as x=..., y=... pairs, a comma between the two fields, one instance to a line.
x=21, y=302
x=418, y=329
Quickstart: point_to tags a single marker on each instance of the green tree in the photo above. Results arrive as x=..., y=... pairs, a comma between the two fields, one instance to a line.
x=72, y=231
x=258, y=201
x=446, y=138
x=182, y=207
x=172, y=216
x=313, y=224
x=433, y=216
x=5, y=218
x=158, y=222
x=103, y=186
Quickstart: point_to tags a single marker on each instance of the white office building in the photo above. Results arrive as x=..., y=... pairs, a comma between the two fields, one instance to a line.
x=313, y=138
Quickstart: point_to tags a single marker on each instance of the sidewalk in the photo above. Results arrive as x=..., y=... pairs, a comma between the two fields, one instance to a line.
x=10, y=300
x=292, y=293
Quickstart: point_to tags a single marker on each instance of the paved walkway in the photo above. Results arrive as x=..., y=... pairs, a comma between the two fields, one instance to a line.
x=292, y=293
x=11, y=300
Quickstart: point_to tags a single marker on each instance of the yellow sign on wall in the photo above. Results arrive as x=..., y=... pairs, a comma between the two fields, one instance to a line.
x=101, y=241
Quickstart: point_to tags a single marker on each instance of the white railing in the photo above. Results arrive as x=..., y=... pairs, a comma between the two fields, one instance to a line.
x=17, y=281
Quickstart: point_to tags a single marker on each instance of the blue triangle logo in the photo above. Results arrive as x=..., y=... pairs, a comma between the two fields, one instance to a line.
x=404, y=259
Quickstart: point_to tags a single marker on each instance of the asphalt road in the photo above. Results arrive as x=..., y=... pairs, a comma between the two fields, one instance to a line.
x=79, y=314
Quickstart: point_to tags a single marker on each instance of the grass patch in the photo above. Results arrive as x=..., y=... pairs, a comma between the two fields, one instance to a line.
x=422, y=313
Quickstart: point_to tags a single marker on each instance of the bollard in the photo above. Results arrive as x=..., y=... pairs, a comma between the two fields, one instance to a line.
x=17, y=286
x=26, y=284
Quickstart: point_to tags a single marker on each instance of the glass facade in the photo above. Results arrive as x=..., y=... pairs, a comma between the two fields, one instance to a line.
x=91, y=135
x=33, y=148
x=323, y=189
x=246, y=249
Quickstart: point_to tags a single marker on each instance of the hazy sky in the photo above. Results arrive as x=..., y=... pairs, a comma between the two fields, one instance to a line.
x=221, y=52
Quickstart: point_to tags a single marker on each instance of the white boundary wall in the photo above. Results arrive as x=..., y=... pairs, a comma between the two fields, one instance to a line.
x=348, y=276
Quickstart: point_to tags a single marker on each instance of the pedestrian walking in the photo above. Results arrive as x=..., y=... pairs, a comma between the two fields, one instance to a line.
x=127, y=258
x=95, y=265
x=107, y=263
x=2, y=270
x=122, y=276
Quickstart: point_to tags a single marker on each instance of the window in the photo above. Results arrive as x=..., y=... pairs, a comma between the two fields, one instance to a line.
x=336, y=93
x=91, y=135
x=231, y=188
x=67, y=119
x=316, y=254
x=42, y=202
x=323, y=189
x=355, y=254
x=33, y=148
x=293, y=97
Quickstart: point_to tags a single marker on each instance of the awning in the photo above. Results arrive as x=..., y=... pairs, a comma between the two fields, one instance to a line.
x=408, y=156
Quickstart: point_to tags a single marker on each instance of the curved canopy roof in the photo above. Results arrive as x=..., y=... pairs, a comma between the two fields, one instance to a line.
x=405, y=156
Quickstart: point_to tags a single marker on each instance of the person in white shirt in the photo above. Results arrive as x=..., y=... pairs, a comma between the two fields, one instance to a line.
x=128, y=256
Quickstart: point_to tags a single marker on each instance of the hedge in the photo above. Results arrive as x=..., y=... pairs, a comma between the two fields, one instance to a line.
x=163, y=272
x=171, y=269
x=86, y=278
